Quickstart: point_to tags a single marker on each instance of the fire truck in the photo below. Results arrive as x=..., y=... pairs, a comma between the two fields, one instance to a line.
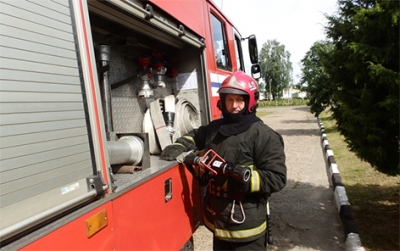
x=90, y=93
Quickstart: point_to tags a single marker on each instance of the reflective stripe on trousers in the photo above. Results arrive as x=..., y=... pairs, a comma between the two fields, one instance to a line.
x=237, y=234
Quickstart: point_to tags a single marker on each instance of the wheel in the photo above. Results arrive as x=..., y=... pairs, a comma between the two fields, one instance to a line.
x=188, y=245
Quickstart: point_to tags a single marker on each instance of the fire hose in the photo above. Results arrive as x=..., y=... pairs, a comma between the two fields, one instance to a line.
x=168, y=119
x=186, y=118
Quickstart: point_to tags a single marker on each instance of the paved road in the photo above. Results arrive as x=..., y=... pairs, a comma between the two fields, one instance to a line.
x=304, y=216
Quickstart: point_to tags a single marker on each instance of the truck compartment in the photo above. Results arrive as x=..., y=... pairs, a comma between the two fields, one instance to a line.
x=118, y=38
x=49, y=153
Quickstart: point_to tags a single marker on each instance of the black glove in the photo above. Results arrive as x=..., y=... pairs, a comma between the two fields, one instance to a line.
x=172, y=151
x=242, y=187
x=238, y=186
x=238, y=189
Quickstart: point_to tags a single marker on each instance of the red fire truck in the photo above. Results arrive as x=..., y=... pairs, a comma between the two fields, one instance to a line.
x=90, y=92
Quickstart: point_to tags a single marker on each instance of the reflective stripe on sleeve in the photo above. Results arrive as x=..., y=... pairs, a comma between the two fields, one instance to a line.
x=189, y=138
x=255, y=181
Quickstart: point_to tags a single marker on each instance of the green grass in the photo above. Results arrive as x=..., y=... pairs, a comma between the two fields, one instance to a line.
x=262, y=113
x=374, y=196
x=283, y=102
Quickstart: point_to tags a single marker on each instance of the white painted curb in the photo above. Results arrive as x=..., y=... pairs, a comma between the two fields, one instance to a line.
x=353, y=242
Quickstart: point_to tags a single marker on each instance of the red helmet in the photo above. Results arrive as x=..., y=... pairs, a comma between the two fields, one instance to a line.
x=241, y=83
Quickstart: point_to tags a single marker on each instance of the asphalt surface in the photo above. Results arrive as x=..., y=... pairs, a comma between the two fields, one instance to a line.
x=304, y=215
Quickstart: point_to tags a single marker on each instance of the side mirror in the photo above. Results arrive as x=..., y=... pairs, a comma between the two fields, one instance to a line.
x=256, y=71
x=253, y=50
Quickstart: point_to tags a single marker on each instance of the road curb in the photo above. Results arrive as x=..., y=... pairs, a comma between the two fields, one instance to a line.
x=352, y=239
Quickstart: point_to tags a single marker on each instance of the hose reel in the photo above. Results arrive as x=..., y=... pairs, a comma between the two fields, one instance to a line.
x=161, y=130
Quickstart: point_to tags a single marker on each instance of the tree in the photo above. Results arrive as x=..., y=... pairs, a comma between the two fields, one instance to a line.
x=261, y=85
x=314, y=79
x=364, y=68
x=276, y=68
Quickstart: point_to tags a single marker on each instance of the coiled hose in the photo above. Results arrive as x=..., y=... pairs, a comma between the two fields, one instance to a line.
x=186, y=119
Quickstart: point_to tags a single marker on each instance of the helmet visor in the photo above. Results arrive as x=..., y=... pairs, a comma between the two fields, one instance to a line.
x=232, y=91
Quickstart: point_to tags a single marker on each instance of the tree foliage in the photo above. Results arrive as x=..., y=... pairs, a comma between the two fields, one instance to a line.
x=363, y=79
x=314, y=79
x=276, y=68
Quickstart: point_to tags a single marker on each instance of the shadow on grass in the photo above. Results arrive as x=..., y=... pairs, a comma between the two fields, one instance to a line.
x=376, y=211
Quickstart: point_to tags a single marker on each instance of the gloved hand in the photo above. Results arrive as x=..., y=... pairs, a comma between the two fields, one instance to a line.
x=239, y=187
x=243, y=187
x=239, y=190
x=172, y=151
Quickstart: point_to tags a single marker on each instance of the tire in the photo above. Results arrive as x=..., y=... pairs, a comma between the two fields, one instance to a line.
x=188, y=245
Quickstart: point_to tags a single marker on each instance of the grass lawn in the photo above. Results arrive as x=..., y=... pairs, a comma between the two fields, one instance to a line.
x=262, y=113
x=374, y=196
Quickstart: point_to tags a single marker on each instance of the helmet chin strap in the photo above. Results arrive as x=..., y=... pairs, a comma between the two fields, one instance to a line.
x=254, y=108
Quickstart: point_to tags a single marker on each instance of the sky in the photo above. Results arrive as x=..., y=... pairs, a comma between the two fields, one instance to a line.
x=297, y=24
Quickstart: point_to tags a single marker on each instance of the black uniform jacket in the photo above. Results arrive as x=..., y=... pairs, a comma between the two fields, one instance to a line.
x=233, y=211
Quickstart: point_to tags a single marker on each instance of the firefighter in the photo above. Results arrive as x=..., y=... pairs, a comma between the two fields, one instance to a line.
x=234, y=210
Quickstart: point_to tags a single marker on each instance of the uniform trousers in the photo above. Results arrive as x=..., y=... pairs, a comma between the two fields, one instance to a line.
x=258, y=244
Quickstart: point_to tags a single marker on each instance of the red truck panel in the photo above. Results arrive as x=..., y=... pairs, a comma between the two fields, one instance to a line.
x=73, y=236
x=149, y=223
x=140, y=219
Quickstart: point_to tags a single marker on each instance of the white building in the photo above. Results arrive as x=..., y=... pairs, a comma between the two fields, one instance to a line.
x=293, y=93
